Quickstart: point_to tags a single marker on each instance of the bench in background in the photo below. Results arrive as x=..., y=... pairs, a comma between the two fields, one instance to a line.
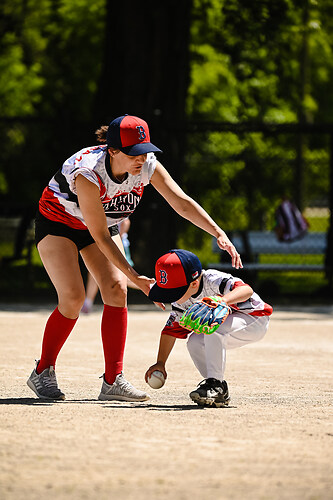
x=252, y=244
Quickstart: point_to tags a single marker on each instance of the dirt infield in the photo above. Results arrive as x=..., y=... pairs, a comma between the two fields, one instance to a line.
x=274, y=441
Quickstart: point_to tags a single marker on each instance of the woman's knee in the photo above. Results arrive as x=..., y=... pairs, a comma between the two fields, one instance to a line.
x=71, y=301
x=115, y=294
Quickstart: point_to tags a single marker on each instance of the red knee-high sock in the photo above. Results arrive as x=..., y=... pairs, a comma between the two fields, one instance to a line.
x=113, y=329
x=57, y=330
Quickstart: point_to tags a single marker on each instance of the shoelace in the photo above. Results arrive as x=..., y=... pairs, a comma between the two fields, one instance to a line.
x=50, y=381
x=124, y=384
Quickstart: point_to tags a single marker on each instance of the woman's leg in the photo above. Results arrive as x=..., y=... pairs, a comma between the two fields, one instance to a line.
x=113, y=287
x=91, y=292
x=91, y=288
x=60, y=258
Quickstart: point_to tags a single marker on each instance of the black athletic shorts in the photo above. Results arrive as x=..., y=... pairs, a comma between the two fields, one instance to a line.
x=81, y=237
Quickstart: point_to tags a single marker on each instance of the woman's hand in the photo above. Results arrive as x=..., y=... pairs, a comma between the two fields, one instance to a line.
x=225, y=244
x=143, y=283
x=157, y=366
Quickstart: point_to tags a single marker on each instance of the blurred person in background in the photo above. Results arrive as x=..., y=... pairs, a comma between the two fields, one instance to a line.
x=290, y=225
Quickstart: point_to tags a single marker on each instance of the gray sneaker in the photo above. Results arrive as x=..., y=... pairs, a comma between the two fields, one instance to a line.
x=45, y=384
x=121, y=390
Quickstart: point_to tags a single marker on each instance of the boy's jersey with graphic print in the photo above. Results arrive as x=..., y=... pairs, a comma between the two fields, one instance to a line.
x=215, y=282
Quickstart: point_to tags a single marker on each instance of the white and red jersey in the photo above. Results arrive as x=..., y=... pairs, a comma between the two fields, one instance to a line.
x=215, y=282
x=59, y=200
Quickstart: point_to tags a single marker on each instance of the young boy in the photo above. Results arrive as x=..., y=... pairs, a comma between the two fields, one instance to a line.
x=181, y=281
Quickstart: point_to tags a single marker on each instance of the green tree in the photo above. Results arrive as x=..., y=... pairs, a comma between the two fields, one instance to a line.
x=62, y=64
x=50, y=60
x=259, y=62
x=146, y=73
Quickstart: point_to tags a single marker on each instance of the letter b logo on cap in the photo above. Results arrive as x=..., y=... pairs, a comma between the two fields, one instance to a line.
x=163, y=277
x=142, y=133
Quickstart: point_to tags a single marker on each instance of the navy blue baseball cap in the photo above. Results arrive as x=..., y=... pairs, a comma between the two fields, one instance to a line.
x=174, y=271
x=130, y=134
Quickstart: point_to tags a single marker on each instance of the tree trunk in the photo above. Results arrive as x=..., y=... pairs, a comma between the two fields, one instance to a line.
x=302, y=114
x=146, y=73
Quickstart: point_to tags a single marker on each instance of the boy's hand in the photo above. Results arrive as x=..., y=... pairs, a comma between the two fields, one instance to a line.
x=157, y=366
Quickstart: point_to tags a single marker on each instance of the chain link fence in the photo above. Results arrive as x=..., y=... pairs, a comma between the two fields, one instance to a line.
x=240, y=174
x=242, y=177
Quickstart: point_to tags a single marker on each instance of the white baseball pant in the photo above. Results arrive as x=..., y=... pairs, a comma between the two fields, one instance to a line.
x=208, y=352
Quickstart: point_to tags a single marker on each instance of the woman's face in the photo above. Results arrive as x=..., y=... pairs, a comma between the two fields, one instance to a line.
x=130, y=164
x=135, y=163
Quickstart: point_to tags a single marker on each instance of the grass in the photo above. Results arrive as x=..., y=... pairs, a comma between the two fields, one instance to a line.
x=307, y=259
x=291, y=285
x=318, y=224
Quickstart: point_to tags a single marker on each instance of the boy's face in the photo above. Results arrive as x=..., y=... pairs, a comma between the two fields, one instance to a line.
x=192, y=289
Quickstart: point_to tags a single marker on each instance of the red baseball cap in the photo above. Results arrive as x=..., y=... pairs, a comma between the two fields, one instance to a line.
x=130, y=134
x=174, y=271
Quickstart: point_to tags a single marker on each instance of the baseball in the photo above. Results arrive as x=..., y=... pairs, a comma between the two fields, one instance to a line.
x=156, y=380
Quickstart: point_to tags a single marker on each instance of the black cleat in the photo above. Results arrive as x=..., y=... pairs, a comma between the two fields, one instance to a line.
x=211, y=392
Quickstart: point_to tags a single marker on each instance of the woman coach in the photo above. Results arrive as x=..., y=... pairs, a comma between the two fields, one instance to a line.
x=79, y=210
